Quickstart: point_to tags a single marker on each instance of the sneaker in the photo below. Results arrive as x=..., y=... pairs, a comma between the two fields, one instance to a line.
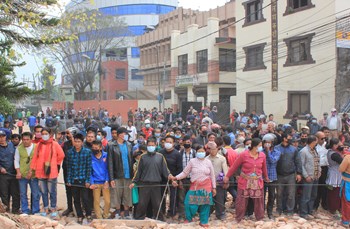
x=54, y=215
x=67, y=212
x=117, y=216
x=127, y=217
x=80, y=220
x=89, y=219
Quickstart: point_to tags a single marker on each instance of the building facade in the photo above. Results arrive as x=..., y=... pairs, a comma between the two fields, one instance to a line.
x=120, y=65
x=286, y=57
x=190, y=56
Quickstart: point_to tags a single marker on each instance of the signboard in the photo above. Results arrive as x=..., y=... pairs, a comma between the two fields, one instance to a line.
x=185, y=80
x=343, y=39
x=274, y=46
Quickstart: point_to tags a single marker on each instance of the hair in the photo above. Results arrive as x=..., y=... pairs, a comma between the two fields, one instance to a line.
x=186, y=137
x=201, y=126
x=285, y=135
x=229, y=129
x=332, y=142
x=27, y=134
x=114, y=128
x=151, y=139
x=200, y=147
x=13, y=136
x=247, y=139
x=255, y=143
x=219, y=141
x=143, y=147
x=97, y=142
x=91, y=131
x=46, y=129
x=103, y=133
x=79, y=136
x=214, y=134
x=37, y=127
x=324, y=128
x=311, y=139
x=270, y=115
x=170, y=136
x=227, y=140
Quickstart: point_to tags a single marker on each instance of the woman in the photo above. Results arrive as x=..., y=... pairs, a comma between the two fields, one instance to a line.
x=344, y=168
x=250, y=181
x=333, y=180
x=48, y=154
x=202, y=189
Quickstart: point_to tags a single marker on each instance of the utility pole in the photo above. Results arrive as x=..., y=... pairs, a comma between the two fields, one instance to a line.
x=159, y=101
x=100, y=72
x=164, y=73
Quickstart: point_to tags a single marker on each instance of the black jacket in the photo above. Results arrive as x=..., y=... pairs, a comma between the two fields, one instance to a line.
x=289, y=161
x=115, y=161
x=200, y=140
x=152, y=168
x=173, y=160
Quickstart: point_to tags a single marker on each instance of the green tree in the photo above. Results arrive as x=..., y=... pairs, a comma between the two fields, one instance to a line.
x=47, y=78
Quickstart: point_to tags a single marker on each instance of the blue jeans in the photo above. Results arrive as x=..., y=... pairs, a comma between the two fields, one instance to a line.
x=34, y=188
x=308, y=197
x=49, y=186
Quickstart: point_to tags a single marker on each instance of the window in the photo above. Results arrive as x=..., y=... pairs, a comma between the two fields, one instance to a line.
x=297, y=5
x=253, y=12
x=135, y=52
x=120, y=53
x=255, y=102
x=120, y=73
x=254, y=57
x=227, y=60
x=299, y=50
x=202, y=61
x=298, y=103
x=182, y=64
x=135, y=75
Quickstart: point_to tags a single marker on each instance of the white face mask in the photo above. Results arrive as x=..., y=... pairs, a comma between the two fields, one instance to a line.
x=45, y=137
x=168, y=145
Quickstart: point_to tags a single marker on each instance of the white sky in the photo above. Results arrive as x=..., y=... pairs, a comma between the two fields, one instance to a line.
x=34, y=62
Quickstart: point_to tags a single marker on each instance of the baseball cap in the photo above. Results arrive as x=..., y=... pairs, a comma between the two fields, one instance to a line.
x=147, y=121
x=333, y=110
x=2, y=133
x=305, y=127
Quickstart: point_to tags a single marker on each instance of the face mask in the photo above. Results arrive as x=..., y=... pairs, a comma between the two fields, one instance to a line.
x=247, y=146
x=303, y=140
x=187, y=146
x=204, y=133
x=45, y=137
x=151, y=149
x=260, y=149
x=98, y=138
x=37, y=135
x=168, y=145
x=95, y=152
x=126, y=137
x=157, y=135
x=200, y=155
x=340, y=148
x=268, y=145
x=140, y=141
x=148, y=125
x=177, y=136
x=314, y=121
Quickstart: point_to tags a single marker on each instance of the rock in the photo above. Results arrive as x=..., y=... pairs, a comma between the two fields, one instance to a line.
x=268, y=225
x=288, y=226
x=258, y=223
x=7, y=223
x=301, y=221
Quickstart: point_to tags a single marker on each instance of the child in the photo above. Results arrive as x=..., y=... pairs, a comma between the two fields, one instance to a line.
x=20, y=126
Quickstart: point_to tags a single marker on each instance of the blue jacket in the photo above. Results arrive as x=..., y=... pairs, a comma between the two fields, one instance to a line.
x=99, y=172
x=7, y=158
x=32, y=120
x=289, y=161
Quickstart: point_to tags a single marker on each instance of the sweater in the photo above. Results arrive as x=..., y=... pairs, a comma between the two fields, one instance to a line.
x=99, y=172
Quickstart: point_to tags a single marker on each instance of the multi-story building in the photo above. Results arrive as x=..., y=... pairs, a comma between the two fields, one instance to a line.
x=120, y=65
x=286, y=57
x=190, y=56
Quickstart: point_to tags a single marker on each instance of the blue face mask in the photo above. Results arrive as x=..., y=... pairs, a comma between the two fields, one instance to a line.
x=98, y=138
x=126, y=137
x=151, y=149
x=200, y=155
x=247, y=146
x=140, y=141
x=157, y=135
x=177, y=136
x=260, y=149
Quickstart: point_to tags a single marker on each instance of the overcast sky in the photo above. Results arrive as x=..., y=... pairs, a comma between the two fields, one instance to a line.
x=34, y=62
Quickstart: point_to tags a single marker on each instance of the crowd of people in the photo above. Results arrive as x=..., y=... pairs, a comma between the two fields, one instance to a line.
x=195, y=161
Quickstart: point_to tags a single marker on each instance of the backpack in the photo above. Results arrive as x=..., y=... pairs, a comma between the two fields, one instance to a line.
x=49, y=122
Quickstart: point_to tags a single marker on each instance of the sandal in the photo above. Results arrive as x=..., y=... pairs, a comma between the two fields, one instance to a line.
x=204, y=225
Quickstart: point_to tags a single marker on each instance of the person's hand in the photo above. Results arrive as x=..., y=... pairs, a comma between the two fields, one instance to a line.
x=18, y=175
x=174, y=183
x=113, y=184
x=68, y=184
x=87, y=185
x=214, y=192
x=308, y=179
x=29, y=174
x=267, y=180
x=93, y=186
x=171, y=177
x=226, y=179
x=106, y=185
x=225, y=186
x=131, y=186
x=298, y=178
x=3, y=171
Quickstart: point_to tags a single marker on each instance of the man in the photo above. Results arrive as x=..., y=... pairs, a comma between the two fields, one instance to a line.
x=314, y=126
x=170, y=116
x=8, y=183
x=79, y=175
x=272, y=157
x=132, y=131
x=220, y=170
x=288, y=171
x=67, y=145
x=15, y=139
x=323, y=122
x=141, y=140
x=2, y=119
x=107, y=129
x=120, y=171
x=100, y=180
x=231, y=156
x=322, y=189
x=187, y=153
x=23, y=157
x=151, y=170
x=294, y=122
x=202, y=139
x=62, y=124
x=311, y=171
x=31, y=122
x=174, y=161
x=334, y=124
x=69, y=122
x=90, y=138
x=147, y=129
x=213, y=114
